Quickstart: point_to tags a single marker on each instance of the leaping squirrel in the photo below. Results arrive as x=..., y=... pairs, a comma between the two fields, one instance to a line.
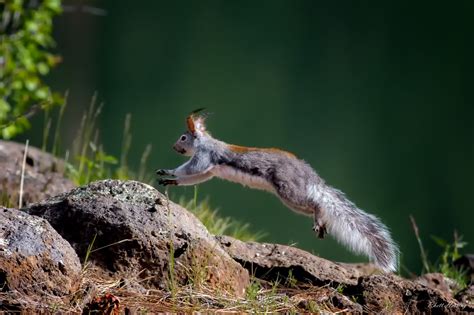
x=294, y=181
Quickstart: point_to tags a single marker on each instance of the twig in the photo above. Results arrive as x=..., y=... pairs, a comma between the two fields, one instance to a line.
x=420, y=244
x=85, y=9
x=22, y=179
x=113, y=244
x=30, y=113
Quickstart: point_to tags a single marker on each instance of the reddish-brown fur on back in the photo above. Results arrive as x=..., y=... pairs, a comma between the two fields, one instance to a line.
x=241, y=149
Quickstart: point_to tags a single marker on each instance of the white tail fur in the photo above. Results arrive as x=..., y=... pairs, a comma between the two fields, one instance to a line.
x=363, y=233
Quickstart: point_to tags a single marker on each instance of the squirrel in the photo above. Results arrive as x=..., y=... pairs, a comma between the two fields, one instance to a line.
x=293, y=180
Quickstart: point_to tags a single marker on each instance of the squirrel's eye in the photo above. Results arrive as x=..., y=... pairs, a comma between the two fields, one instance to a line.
x=183, y=138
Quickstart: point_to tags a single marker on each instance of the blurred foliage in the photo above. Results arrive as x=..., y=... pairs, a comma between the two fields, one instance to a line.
x=25, y=58
x=218, y=224
x=86, y=159
x=446, y=262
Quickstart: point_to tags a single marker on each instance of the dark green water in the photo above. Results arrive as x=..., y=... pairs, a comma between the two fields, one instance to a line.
x=376, y=96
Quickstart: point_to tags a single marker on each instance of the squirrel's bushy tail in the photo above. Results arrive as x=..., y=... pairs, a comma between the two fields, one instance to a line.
x=363, y=233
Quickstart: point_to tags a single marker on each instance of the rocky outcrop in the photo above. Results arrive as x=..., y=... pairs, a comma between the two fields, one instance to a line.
x=274, y=261
x=392, y=294
x=140, y=234
x=358, y=288
x=439, y=282
x=334, y=300
x=43, y=174
x=38, y=267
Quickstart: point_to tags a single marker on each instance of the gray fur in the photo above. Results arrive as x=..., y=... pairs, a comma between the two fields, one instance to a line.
x=296, y=184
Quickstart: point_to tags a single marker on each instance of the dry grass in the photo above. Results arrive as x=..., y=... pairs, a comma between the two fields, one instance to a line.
x=22, y=178
x=261, y=297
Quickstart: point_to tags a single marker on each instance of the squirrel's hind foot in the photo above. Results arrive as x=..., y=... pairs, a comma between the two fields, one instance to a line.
x=320, y=230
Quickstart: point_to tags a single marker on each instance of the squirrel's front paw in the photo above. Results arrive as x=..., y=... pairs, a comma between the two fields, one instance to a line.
x=162, y=172
x=166, y=182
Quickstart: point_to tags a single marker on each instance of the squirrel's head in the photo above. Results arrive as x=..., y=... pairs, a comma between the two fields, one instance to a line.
x=187, y=142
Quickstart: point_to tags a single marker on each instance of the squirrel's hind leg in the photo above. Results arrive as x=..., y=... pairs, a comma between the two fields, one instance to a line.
x=319, y=227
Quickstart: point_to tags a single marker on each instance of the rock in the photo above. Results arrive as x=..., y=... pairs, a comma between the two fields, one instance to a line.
x=466, y=295
x=439, y=282
x=274, y=261
x=357, y=288
x=329, y=298
x=139, y=234
x=43, y=174
x=37, y=266
x=391, y=294
x=343, y=303
x=362, y=269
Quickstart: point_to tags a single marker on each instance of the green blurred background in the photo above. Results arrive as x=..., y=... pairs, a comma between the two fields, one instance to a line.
x=376, y=96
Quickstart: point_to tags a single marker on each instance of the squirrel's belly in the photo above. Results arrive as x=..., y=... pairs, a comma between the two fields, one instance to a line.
x=234, y=175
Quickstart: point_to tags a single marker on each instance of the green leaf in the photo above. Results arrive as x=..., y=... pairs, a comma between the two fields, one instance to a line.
x=54, y=5
x=17, y=84
x=110, y=159
x=42, y=93
x=9, y=132
x=31, y=84
x=32, y=26
x=42, y=68
x=440, y=241
x=4, y=109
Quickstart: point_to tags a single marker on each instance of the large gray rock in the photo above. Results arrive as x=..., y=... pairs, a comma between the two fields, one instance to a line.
x=43, y=174
x=139, y=234
x=38, y=267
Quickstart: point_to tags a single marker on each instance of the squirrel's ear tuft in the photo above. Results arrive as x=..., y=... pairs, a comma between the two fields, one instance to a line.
x=190, y=123
x=196, y=123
